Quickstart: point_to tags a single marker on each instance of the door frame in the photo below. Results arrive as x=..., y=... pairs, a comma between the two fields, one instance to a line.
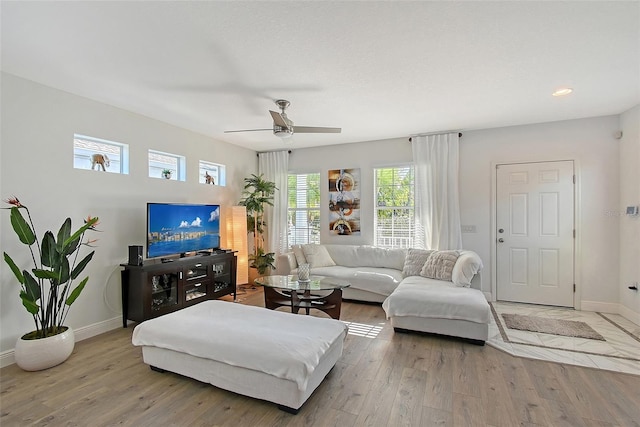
x=577, y=246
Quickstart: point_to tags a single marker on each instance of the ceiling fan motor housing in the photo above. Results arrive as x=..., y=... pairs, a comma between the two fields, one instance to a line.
x=282, y=132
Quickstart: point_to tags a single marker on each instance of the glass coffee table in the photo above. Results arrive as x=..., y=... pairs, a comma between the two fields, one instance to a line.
x=319, y=292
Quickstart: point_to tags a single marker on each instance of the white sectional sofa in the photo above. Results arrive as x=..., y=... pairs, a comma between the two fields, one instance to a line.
x=442, y=298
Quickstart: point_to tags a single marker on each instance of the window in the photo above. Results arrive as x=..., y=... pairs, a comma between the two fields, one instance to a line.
x=99, y=154
x=304, y=209
x=394, y=215
x=167, y=165
x=211, y=173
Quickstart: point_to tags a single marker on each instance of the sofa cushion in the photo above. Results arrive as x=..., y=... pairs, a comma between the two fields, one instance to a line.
x=414, y=261
x=440, y=265
x=366, y=256
x=467, y=266
x=372, y=256
x=430, y=298
x=377, y=280
x=345, y=255
x=317, y=256
x=297, y=252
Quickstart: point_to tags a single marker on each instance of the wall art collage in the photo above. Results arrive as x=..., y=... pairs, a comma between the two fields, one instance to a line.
x=344, y=201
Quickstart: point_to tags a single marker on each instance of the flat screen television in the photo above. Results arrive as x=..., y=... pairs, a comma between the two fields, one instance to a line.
x=180, y=228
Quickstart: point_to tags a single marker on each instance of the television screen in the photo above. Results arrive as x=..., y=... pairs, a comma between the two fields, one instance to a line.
x=180, y=228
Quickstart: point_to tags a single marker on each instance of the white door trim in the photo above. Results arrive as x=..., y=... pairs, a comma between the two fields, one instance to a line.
x=577, y=248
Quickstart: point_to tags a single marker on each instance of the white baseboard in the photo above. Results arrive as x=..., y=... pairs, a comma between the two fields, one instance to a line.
x=7, y=357
x=603, y=307
x=629, y=314
x=611, y=308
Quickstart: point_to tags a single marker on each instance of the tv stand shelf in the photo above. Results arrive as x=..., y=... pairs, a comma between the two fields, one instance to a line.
x=158, y=287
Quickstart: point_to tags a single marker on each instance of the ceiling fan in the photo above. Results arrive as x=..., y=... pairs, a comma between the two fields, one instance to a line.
x=283, y=126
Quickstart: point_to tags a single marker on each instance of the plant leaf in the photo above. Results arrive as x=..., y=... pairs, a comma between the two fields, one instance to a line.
x=28, y=303
x=81, y=265
x=79, y=232
x=64, y=233
x=49, y=251
x=76, y=292
x=63, y=271
x=14, y=268
x=22, y=229
x=45, y=274
x=73, y=245
x=32, y=287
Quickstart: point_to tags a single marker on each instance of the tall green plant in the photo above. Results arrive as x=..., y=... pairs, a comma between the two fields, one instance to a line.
x=257, y=194
x=47, y=290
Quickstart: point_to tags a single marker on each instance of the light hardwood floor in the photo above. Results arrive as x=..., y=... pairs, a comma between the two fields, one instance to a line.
x=390, y=380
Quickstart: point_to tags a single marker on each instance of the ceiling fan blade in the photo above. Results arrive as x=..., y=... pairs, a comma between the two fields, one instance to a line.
x=315, y=129
x=246, y=130
x=277, y=119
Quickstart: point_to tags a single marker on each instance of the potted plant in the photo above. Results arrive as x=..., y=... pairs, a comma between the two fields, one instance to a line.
x=166, y=173
x=257, y=194
x=48, y=287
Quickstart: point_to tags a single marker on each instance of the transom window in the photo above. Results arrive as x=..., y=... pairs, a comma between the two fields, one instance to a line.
x=304, y=209
x=100, y=154
x=394, y=225
x=167, y=165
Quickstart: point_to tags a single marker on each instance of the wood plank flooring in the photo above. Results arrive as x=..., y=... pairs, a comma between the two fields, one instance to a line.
x=394, y=379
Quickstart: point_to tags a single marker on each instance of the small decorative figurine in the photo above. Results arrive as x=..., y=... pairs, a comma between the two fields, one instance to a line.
x=102, y=160
x=209, y=179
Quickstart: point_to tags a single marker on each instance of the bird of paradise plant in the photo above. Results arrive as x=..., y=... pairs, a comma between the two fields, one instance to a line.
x=47, y=289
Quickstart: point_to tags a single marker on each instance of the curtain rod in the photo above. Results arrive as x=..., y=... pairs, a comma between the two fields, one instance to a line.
x=436, y=133
x=274, y=151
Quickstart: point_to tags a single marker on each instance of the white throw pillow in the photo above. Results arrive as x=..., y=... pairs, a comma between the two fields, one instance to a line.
x=467, y=266
x=440, y=265
x=414, y=261
x=317, y=256
x=297, y=252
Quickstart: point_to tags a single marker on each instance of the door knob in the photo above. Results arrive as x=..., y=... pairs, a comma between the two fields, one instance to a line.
x=501, y=240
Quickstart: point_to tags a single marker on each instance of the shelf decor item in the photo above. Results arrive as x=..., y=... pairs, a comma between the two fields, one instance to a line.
x=258, y=192
x=166, y=173
x=48, y=287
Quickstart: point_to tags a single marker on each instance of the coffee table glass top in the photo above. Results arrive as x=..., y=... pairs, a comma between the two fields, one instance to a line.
x=315, y=283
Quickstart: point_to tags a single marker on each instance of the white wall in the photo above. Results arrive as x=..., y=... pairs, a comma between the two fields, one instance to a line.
x=38, y=124
x=590, y=142
x=630, y=226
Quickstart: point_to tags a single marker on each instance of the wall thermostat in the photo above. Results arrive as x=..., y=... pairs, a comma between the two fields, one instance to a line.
x=632, y=210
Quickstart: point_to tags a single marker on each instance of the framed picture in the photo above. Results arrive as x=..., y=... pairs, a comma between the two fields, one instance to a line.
x=344, y=202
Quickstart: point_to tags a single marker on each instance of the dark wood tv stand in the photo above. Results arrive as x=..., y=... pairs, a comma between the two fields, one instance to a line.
x=156, y=287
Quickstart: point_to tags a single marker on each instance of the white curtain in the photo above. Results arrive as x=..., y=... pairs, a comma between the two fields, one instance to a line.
x=437, y=208
x=275, y=167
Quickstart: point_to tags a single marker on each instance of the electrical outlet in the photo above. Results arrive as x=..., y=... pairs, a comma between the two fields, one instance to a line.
x=468, y=228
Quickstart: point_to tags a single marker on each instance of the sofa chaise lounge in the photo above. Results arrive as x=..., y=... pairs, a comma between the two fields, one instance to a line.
x=443, y=297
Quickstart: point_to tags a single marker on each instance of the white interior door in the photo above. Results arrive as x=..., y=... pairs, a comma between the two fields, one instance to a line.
x=535, y=233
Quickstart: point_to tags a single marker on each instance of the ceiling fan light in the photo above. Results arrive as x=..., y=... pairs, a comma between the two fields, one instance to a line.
x=282, y=132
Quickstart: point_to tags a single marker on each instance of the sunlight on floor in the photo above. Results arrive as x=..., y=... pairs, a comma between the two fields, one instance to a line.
x=363, y=330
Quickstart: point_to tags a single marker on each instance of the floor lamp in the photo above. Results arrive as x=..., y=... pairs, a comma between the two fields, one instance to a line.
x=237, y=240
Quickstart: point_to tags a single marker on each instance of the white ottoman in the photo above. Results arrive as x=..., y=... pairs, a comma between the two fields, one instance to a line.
x=271, y=355
x=439, y=307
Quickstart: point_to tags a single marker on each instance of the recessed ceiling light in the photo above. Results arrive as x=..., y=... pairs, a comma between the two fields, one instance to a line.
x=562, y=91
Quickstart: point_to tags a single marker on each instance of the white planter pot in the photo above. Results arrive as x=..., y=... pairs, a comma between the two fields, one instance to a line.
x=36, y=355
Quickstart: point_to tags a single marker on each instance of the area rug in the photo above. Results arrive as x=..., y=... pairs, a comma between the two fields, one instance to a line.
x=565, y=328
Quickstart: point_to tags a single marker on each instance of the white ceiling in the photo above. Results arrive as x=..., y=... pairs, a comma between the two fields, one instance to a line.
x=377, y=69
